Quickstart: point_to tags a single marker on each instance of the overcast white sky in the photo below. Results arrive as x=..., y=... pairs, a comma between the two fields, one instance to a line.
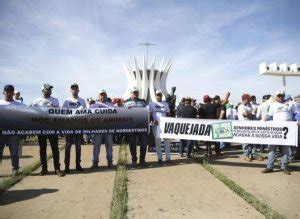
x=215, y=46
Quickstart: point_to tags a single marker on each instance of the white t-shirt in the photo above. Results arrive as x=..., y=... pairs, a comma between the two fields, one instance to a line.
x=12, y=103
x=282, y=111
x=262, y=111
x=230, y=113
x=242, y=109
x=19, y=100
x=46, y=102
x=254, y=106
x=99, y=104
x=235, y=114
x=297, y=106
x=74, y=103
x=159, y=109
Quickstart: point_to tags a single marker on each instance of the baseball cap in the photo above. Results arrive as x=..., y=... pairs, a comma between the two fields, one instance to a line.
x=266, y=97
x=134, y=89
x=103, y=91
x=46, y=87
x=280, y=93
x=288, y=97
x=217, y=97
x=74, y=86
x=246, y=97
x=158, y=92
x=206, y=98
x=8, y=88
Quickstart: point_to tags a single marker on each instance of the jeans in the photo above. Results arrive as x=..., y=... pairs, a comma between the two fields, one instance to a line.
x=99, y=139
x=132, y=140
x=70, y=139
x=43, y=150
x=249, y=150
x=188, y=144
x=271, y=156
x=224, y=145
x=218, y=146
x=158, y=145
x=14, y=144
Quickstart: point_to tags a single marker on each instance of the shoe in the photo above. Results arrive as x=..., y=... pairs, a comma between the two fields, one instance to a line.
x=43, y=172
x=249, y=159
x=259, y=158
x=143, y=164
x=79, y=168
x=94, y=166
x=59, y=173
x=160, y=162
x=15, y=173
x=286, y=171
x=133, y=164
x=67, y=169
x=267, y=170
x=110, y=166
x=169, y=161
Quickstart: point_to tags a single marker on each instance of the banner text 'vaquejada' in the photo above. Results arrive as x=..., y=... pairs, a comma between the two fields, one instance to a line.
x=252, y=132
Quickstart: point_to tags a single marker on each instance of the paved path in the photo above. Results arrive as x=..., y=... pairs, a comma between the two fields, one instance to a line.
x=86, y=195
x=30, y=154
x=184, y=190
x=280, y=191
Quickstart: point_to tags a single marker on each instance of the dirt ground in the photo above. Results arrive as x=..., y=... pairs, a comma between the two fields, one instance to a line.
x=182, y=190
x=280, y=191
x=77, y=195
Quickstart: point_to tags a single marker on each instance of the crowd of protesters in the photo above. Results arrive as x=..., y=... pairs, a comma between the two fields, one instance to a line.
x=279, y=107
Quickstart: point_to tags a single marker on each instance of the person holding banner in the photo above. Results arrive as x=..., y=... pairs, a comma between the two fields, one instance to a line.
x=245, y=112
x=18, y=97
x=187, y=111
x=13, y=142
x=74, y=102
x=214, y=108
x=98, y=139
x=262, y=112
x=48, y=101
x=135, y=101
x=279, y=111
x=159, y=109
x=297, y=117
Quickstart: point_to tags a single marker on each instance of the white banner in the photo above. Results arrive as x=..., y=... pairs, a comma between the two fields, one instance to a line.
x=252, y=132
